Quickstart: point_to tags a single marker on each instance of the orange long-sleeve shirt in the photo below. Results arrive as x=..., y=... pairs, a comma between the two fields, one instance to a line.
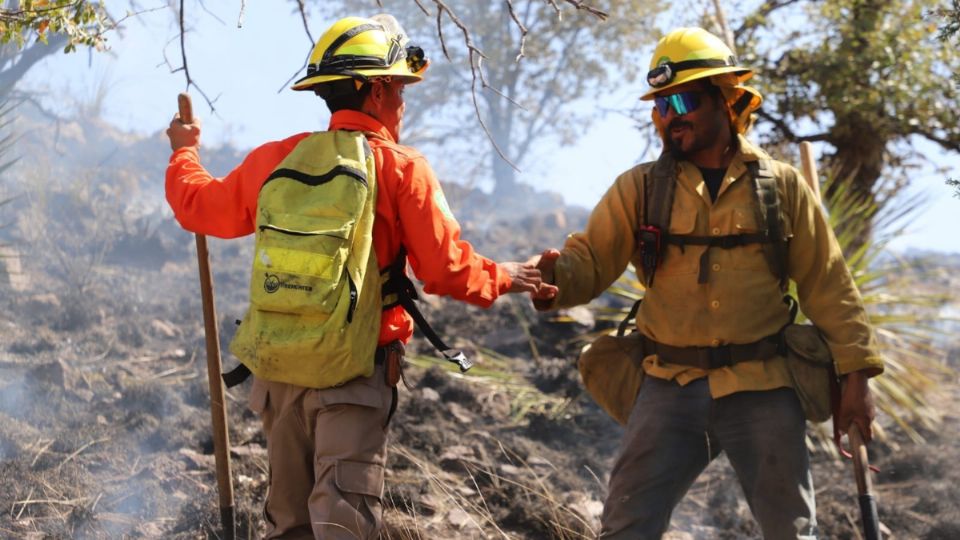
x=411, y=211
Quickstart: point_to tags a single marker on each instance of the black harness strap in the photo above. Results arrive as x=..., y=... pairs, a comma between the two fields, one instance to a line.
x=399, y=290
x=660, y=185
x=728, y=241
x=658, y=189
x=236, y=375
x=768, y=213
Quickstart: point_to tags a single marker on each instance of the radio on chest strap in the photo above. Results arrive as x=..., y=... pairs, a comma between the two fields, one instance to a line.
x=653, y=236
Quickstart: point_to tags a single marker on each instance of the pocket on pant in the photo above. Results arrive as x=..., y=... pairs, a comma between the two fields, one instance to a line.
x=360, y=478
x=361, y=486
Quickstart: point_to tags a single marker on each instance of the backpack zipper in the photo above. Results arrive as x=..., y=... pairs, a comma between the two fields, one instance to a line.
x=353, y=298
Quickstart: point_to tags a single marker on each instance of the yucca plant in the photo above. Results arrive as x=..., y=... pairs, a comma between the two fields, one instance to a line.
x=901, y=303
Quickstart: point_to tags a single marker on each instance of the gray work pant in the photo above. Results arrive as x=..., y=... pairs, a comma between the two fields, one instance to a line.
x=675, y=431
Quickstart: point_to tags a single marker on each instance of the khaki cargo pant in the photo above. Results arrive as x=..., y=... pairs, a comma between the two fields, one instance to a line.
x=326, y=451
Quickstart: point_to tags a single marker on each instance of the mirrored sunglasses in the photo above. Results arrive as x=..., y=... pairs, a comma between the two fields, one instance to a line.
x=682, y=102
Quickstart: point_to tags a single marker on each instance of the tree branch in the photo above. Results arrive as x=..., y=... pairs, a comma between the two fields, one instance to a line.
x=30, y=56
x=763, y=11
x=788, y=132
x=306, y=28
x=946, y=143
x=186, y=68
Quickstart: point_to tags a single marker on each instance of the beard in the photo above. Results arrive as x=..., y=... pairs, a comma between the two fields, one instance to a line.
x=675, y=146
x=700, y=139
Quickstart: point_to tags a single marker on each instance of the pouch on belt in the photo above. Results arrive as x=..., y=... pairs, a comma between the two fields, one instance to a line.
x=612, y=372
x=811, y=369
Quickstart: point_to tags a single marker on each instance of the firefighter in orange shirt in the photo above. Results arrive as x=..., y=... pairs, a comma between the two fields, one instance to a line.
x=327, y=446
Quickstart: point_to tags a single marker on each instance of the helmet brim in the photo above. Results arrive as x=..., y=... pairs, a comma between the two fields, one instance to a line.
x=397, y=71
x=742, y=74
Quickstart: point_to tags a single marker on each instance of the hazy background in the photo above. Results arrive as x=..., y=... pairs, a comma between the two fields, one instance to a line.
x=242, y=69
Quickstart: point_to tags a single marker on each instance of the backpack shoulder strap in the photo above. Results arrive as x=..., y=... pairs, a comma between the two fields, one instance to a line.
x=659, y=204
x=769, y=213
x=397, y=289
x=659, y=186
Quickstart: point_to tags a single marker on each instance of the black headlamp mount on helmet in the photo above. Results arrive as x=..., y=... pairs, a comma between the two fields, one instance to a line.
x=666, y=72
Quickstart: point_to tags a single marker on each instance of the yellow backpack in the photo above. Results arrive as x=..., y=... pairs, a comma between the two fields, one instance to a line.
x=315, y=299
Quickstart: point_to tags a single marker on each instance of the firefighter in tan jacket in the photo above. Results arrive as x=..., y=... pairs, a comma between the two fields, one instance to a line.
x=714, y=385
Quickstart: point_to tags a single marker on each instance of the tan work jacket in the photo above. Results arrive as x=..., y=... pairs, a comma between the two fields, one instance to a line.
x=742, y=300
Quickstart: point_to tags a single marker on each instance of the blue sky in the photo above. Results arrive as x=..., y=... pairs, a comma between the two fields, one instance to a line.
x=246, y=67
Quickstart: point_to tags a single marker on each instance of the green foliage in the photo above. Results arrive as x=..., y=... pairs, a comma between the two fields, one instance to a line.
x=82, y=21
x=951, y=21
x=867, y=77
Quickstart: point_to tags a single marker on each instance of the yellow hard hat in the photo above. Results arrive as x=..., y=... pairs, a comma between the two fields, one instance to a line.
x=363, y=49
x=688, y=54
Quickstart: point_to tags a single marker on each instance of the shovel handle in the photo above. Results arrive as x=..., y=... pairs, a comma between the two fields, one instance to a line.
x=861, y=463
x=861, y=469
x=218, y=409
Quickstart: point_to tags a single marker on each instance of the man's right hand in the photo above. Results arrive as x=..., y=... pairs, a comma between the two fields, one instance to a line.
x=545, y=262
x=181, y=134
x=525, y=278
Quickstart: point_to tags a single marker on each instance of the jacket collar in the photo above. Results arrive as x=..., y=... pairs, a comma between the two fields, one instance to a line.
x=690, y=175
x=358, y=121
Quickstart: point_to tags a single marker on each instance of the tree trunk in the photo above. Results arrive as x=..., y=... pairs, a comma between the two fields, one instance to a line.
x=857, y=164
x=859, y=136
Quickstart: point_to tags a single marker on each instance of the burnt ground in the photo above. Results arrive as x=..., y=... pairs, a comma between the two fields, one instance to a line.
x=105, y=423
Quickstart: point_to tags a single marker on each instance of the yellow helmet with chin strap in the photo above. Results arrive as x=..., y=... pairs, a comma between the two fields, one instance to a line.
x=363, y=49
x=689, y=54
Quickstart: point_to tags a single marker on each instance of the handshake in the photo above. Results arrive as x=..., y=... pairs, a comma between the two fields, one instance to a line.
x=535, y=276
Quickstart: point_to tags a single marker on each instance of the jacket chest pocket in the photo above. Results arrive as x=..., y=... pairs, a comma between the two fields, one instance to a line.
x=678, y=261
x=751, y=256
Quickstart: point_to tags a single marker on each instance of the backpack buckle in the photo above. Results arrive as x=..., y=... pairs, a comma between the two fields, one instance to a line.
x=458, y=358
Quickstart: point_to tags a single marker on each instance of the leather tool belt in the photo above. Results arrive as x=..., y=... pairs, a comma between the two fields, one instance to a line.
x=716, y=357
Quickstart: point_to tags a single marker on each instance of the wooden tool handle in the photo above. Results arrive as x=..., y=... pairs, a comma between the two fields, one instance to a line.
x=809, y=167
x=861, y=464
x=218, y=408
x=186, y=108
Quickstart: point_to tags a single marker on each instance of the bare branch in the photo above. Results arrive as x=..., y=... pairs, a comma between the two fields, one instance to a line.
x=787, y=131
x=766, y=9
x=523, y=29
x=301, y=6
x=243, y=9
x=724, y=27
x=423, y=9
x=303, y=17
x=476, y=107
x=212, y=14
x=186, y=69
x=947, y=143
x=556, y=8
x=602, y=15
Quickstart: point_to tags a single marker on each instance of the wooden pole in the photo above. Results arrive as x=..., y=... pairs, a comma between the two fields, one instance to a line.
x=810, y=167
x=218, y=409
x=861, y=470
x=861, y=463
